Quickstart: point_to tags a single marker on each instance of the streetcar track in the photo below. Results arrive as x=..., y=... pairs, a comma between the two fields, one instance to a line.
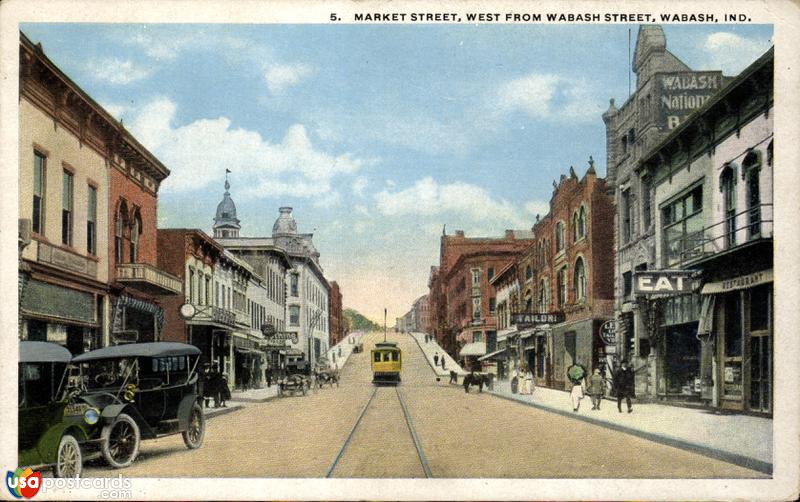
x=409, y=423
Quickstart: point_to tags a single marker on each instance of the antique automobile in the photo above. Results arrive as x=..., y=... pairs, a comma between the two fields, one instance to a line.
x=297, y=380
x=326, y=375
x=50, y=429
x=141, y=391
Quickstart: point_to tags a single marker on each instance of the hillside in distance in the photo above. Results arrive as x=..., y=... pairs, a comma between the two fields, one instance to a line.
x=358, y=322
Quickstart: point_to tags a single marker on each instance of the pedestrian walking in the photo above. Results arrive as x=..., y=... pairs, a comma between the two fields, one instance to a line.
x=596, y=388
x=624, y=385
x=529, y=381
x=436, y=359
x=577, y=376
x=443, y=365
x=268, y=377
x=515, y=381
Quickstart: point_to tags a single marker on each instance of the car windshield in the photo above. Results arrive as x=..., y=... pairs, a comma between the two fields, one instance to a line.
x=109, y=373
x=39, y=383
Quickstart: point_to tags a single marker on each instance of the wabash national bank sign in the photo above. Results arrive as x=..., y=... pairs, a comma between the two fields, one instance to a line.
x=682, y=93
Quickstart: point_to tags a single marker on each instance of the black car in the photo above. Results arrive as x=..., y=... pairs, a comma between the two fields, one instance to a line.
x=142, y=391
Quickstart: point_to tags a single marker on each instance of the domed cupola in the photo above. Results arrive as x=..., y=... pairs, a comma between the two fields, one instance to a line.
x=225, y=222
x=285, y=224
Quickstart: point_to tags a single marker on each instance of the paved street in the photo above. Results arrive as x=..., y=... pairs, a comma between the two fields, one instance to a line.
x=475, y=435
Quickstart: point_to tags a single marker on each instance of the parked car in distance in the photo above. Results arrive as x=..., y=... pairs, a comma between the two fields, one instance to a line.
x=51, y=430
x=141, y=391
x=297, y=380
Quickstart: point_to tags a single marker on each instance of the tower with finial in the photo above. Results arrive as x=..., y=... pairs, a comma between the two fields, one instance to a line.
x=225, y=222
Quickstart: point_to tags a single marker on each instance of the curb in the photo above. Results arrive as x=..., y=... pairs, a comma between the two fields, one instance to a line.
x=254, y=399
x=224, y=411
x=726, y=456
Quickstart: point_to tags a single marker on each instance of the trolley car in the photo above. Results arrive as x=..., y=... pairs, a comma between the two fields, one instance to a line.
x=387, y=360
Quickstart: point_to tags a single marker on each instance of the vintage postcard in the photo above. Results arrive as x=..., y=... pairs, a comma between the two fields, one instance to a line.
x=399, y=250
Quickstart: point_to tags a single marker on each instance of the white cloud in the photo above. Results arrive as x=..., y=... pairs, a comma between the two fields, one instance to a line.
x=732, y=53
x=199, y=152
x=427, y=197
x=539, y=207
x=359, y=185
x=280, y=77
x=549, y=97
x=116, y=71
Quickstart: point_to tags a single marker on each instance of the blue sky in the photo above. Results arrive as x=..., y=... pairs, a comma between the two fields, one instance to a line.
x=377, y=135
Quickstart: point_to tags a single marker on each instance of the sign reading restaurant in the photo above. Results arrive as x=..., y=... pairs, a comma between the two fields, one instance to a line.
x=663, y=282
x=531, y=319
x=681, y=93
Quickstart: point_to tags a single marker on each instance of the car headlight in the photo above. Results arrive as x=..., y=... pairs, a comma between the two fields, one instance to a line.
x=91, y=416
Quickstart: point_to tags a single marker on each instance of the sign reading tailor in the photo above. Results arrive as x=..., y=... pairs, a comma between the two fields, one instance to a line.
x=663, y=282
x=684, y=92
x=608, y=332
x=532, y=319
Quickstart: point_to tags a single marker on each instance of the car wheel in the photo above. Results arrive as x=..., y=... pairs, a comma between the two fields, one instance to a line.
x=193, y=436
x=69, y=463
x=120, y=441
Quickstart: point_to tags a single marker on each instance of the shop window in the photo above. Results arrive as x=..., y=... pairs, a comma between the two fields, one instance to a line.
x=760, y=307
x=67, y=209
x=39, y=177
x=733, y=325
x=683, y=226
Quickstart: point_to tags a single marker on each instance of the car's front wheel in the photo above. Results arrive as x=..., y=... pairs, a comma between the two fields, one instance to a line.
x=194, y=434
x=120, y=441
x=69, y=463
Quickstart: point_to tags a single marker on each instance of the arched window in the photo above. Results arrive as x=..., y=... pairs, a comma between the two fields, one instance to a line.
x=575, y=233
x=579, y=281
x=136, y=230
x=727, y=185
x=751, y=168
x=119, y=230
x=560, y=236
x=582, y=222
x=544, y=296
x=528, y=272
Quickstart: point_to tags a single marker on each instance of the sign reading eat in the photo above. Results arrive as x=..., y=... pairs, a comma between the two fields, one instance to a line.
x=660, y=282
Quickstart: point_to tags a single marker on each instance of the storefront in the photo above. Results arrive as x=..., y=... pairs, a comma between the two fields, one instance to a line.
x=575, y=342
x=215, y=345
x=135, y=320
x=59, y=314
x=248, y=363
x=741, y=327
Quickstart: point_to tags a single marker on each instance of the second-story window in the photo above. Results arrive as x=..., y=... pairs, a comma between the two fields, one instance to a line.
x=727, y=183
x=476, y=277
x=580, y=281
x=67, y=209
x=91, y=220
x=625, y=215
x=559, y=236
x=561, y=280
x=476, y=307
x=683, y=226
x=39, y=162
x=752, y=169
x=294, y=315
x=136, y=230
x=119, y=228
x=492, y=306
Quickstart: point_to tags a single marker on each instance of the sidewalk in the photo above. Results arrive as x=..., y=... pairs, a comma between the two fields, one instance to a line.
x=739, y=439
x=431, y=348
x=347, y=349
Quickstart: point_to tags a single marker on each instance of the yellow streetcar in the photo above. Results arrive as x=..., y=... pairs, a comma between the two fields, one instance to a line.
x=387, y=360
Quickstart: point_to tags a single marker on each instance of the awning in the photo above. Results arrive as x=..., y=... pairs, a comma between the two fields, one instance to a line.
x=505, y=333
x=706, y=324
x=742, y=282
x=525, y=333
x=497, y=354
x=473, y=349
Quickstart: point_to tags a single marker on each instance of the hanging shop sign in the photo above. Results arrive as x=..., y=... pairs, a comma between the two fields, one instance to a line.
x=663, y=282
x=283, y=335
x=608, y=332
x=531, y=319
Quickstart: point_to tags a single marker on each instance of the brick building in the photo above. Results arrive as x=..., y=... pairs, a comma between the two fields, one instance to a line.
x=422, y=316
x=453, y=308
x=88, y=193
x=337, y=327
x=569, y=272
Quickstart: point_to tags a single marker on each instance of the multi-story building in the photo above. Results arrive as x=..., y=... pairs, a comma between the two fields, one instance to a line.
x=87, y=207
x=667, y=91
x=306, y=286
x=710, y=331
x=452, y=307
x=568, y=274
x=336, y=317
x=268, y=264
x=507, y=287
x=421, y=314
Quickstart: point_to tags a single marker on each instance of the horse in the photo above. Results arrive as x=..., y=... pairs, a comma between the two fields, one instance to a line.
x=475, y=379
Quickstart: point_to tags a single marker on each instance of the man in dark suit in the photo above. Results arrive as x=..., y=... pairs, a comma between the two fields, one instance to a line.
x=624, y=385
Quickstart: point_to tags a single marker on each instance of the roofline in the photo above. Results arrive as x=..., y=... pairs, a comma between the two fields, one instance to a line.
x=147, y=154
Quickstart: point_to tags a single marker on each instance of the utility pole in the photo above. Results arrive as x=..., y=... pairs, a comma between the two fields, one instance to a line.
x=384, y=325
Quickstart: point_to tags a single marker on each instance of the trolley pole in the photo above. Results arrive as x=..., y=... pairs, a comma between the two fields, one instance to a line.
x=384, y=325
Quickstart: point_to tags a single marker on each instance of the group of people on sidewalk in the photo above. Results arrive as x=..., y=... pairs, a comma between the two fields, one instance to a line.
x=595, y=385
x=215, y=386
x=436, y=361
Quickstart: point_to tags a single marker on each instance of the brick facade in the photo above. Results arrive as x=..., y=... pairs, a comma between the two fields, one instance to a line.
x=336, y=321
